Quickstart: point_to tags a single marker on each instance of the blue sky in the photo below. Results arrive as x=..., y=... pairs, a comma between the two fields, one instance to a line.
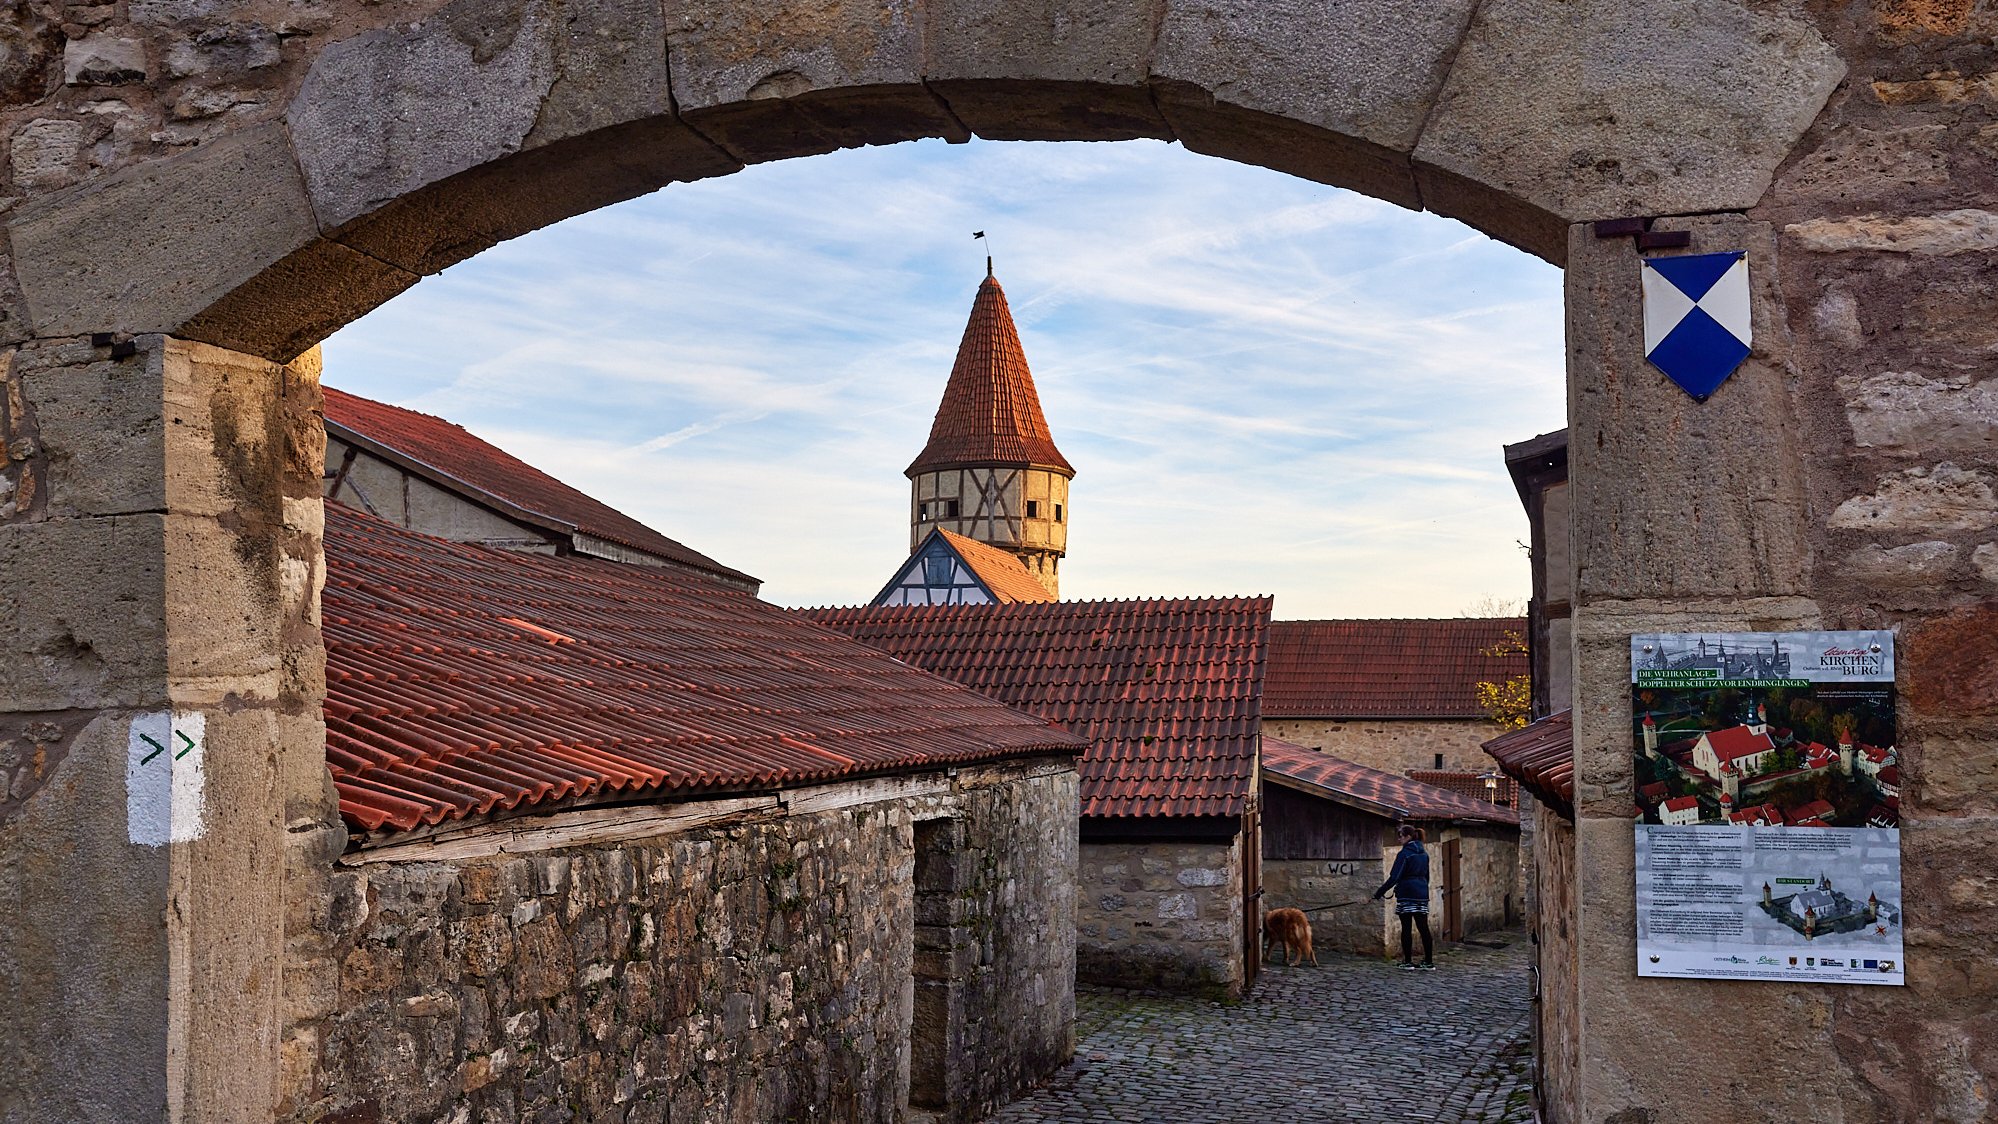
x=1266, y=385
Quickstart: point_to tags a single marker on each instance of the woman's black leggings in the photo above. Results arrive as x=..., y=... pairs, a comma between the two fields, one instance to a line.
x=1420, y=921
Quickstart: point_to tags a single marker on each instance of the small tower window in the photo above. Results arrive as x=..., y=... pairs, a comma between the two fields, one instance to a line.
x=950, y=509
x=922, y=513
x=1057, y=513
x=1033, y=509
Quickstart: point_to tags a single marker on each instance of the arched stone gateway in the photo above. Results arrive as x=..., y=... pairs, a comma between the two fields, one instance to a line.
x=201, y=191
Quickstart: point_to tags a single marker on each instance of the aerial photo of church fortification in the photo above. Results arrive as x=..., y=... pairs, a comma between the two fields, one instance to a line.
x=1762, y=748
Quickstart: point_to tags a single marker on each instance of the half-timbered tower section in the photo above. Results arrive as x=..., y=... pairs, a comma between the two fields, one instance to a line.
x=1169, y=695
x=990, y=471
x=430, y=475
x=949, y=569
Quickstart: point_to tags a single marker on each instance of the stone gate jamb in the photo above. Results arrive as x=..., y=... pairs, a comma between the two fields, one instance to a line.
x=161, y=746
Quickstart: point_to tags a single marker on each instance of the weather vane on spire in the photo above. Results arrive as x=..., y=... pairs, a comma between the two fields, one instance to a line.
x=980, y=236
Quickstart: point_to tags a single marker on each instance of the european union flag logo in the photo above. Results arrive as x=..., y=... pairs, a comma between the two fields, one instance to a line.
x=1696, y=326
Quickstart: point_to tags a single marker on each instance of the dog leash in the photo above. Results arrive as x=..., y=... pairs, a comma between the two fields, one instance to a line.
x=1341, y=905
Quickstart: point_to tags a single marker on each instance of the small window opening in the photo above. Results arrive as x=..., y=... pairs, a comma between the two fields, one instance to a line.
x=1439, y=761
x=950, y=509
x=1057, y=513
x=922, y=513
x=1033, y=509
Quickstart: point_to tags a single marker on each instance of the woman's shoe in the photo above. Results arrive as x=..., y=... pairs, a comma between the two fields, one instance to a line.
x=1408, y=966
x=1428, y=965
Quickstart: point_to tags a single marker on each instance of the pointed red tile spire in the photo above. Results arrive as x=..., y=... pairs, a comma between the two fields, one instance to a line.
x=990, y=412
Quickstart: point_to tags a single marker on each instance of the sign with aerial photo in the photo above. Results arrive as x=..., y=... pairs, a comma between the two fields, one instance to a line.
x=1768, y=806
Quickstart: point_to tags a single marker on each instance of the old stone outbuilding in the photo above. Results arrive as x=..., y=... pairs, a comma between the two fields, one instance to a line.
x=1398, y=695
x=1329, y=841
x=1167, y=692
x=623, y=840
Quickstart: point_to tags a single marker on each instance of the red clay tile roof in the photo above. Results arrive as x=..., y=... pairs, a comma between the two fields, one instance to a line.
x=1541, y=756
x=1003, y=573
x=1736, y=742
x=1681, y=803
x=990, y=413
x=465, y=680
x=1167, y=692
x=454, y=455
x=1373, y=789
x=1387, y=668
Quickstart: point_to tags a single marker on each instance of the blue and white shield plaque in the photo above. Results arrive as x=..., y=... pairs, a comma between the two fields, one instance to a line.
x=1696, y=326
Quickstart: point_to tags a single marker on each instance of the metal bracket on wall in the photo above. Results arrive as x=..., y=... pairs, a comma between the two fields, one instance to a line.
x=1640, y=229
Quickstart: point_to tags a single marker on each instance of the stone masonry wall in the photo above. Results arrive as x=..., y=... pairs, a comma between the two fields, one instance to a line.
x=1310, y=883
x=1489, y=891
x=1394, y=744
x=1551, y=927
x=1490, y=895
x=1161, y=915
x=759, y=972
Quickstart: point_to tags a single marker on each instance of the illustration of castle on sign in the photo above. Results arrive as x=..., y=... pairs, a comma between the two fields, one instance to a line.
x=1692, y=770
x=1819, y=910
x=1696, y=653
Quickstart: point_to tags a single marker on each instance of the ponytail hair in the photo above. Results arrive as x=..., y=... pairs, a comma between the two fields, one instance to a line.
x=1410, y=831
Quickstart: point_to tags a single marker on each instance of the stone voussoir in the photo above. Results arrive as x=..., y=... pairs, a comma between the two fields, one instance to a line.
x=147, y=248
x=1045, y=69
x=1230, y=84
x=1526, y=110
x=767, y=81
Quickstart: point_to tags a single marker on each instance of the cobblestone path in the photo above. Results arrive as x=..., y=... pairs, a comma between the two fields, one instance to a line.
x=1351, y=1040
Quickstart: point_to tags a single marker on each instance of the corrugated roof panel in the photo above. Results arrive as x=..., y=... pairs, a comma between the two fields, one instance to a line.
x=437, y=709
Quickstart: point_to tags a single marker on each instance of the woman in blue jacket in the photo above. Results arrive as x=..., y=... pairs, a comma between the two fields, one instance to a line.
x=1410, y=882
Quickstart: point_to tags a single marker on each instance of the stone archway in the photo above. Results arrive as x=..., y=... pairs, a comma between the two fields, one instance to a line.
x=159, y=528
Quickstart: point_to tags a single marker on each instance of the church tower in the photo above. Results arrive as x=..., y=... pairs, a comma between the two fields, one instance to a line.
x=990, y=471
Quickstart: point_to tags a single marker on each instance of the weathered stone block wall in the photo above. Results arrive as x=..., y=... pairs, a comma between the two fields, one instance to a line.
x=1489, y=891
x=1551, y=927
x=1161, y=915
x=758, y=972
x=1360, y=929
x=1394, y=744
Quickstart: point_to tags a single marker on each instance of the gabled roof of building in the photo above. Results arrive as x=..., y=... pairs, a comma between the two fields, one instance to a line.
x=1372, y=790
x=1736, y=742
x=455, y=460
x=464, y=680
x=1389, y=668
x=1541, y=756
x=1004, y=575
x=990, y=413
x=1168, y=692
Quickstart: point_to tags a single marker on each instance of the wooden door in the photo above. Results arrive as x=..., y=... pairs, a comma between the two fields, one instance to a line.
x=1452, y=892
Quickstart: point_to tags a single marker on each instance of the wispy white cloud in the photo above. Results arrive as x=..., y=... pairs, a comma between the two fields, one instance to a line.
x=1265, y=384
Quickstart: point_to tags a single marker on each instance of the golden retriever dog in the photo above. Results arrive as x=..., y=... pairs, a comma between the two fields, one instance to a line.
x=1291, y=929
